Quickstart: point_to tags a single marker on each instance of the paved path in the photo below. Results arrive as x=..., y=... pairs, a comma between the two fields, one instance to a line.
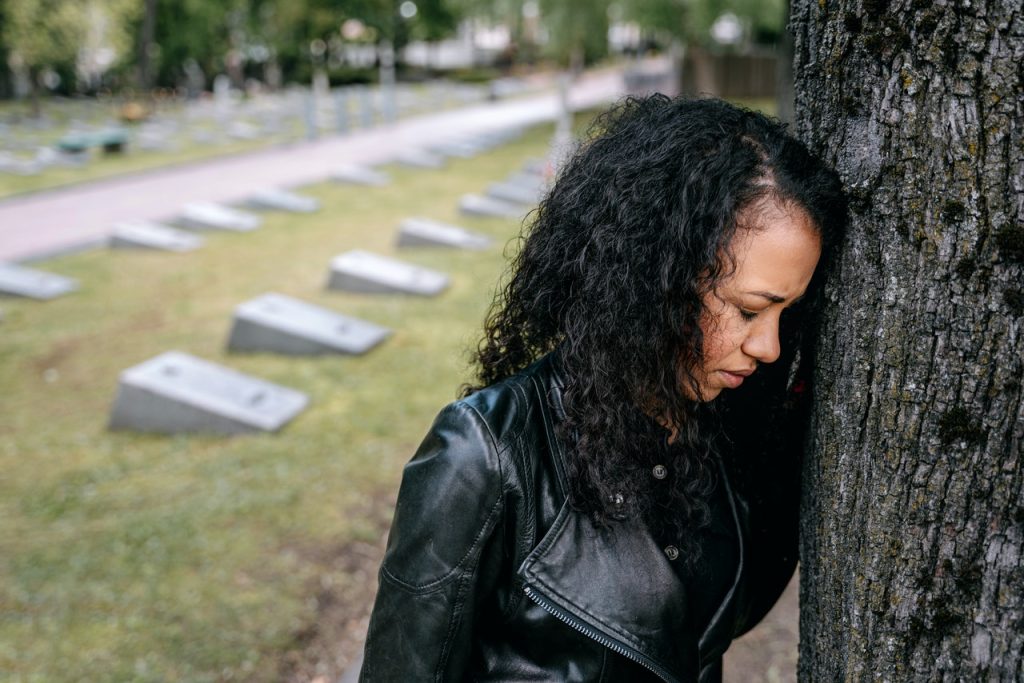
x=48, y=223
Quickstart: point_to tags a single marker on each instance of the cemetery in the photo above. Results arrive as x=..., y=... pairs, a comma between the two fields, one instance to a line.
x=82, y=140
x=203, y=428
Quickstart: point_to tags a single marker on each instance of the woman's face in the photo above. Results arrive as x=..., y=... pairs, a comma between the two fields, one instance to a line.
x=775, y=258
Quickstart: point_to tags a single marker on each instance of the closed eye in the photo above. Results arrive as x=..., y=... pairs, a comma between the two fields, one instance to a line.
x=747, y=315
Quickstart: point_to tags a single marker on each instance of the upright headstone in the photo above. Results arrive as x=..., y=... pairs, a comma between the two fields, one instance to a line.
x=178, y=393
x=281, y=324
x=146, y=235
x=489, y=207
x=363, y=272
x=33, y=284
x=282, y=200
x=359, y=175
x=210, y=216
x=423, y=232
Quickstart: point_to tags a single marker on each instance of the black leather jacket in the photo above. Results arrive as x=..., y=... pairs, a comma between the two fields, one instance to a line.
x=490, y=576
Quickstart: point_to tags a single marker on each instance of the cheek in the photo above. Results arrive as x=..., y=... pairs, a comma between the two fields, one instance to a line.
x=716, y=329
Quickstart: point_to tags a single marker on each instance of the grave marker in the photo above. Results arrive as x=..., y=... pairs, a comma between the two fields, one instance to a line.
x=422, y=232
x=359, y=175
x=210, y=216
x=420, y=158
x=32, y=283
x=146, y=235
x=361, y=271
x=516, y=194
x=489, y=207
x=178, y=393
x=282, y=200
x=281, y=324
x=455, y=148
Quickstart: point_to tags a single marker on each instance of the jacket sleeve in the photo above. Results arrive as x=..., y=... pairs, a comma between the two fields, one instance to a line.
x=449, y=505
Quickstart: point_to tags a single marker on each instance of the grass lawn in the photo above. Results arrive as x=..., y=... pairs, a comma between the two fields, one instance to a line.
x=128, y=557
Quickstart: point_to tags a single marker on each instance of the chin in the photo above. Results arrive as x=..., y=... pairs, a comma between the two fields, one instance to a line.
x=709, y=394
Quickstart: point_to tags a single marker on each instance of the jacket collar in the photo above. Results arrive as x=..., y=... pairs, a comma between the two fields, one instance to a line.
x=631, y=595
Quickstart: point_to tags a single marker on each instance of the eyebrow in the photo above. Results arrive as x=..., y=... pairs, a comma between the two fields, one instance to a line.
x=775, y=298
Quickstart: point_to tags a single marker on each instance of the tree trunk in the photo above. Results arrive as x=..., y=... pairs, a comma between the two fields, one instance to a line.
x=784, y=74
x=913, y=506
x=147, y=32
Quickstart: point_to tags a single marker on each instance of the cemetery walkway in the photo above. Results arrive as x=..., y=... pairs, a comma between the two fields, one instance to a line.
x=49, y=223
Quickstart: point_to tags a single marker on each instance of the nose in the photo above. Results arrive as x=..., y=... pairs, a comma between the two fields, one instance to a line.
x=762, y=343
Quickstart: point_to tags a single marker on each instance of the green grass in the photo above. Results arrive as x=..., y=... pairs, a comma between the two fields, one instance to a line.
x=127, y=557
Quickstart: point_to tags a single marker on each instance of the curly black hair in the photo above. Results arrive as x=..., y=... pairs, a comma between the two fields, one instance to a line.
x=612, y=269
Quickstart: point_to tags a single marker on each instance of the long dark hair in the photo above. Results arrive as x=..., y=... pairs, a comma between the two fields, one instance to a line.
x=612, y=270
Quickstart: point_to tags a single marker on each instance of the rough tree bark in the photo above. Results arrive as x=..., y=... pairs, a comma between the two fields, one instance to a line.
x=913, y=509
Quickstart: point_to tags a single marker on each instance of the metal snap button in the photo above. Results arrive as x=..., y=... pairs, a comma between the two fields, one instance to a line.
x=659, y=471
x=671, y=552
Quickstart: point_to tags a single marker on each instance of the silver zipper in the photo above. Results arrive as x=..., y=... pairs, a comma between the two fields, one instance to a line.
x=602, y=639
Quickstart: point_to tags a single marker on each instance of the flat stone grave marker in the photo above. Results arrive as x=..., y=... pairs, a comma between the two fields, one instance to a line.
x=527, y=180
x=537, y=167
x=517, y=194
x=210, y=216
x=280, y=324
x=367, y=273
x=359, y=175
x=456, y=148
x=283, y=200
x=146, y=235
x=32, y=283
x=420, y=158
x=178, y=393
x=423, y=232
x=489, y=207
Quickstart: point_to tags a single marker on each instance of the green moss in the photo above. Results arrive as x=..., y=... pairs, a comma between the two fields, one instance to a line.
x=1010, y=242
x=957, y=424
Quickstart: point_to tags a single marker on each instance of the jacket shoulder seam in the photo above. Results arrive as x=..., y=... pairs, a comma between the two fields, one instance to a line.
x=439, y=583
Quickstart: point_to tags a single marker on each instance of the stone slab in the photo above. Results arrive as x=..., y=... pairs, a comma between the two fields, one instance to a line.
x=538, y=167
x=368, y=273
x=177, y=393
x=210, y=216
x=462, y=149
x=420, y=158
x=281, y=324
x=517, y=194
x=489, y=207
x=147, y=235
x=359, y=175
x=33, y=284
x=283, y=200
x=529, y=181
x=423, y=232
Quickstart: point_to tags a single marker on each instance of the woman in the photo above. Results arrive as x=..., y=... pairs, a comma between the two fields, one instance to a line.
x=593, y=510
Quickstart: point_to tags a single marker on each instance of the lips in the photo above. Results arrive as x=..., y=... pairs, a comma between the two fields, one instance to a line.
x=734, y=378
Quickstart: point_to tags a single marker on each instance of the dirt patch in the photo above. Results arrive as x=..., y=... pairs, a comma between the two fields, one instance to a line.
x=344, y=597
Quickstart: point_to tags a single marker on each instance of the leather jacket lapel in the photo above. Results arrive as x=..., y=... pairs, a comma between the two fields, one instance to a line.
x=616, y=581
